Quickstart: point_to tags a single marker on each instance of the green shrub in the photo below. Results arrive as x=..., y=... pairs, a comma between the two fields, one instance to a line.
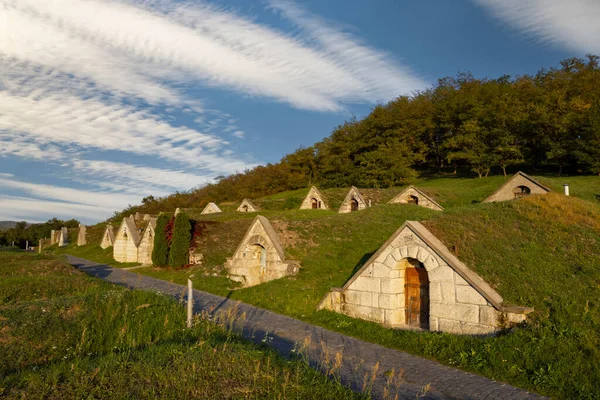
x=160, y=253
x=180, y=244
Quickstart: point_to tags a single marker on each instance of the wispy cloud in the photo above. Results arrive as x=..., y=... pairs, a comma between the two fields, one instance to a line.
x=79, y=78
x=36, y=210
x=573, y=24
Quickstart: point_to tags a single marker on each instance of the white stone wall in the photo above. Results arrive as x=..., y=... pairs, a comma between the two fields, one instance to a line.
x=377, y=294
x=124, y=248
x=405, y=198
x=106, y=239
x=506, y=192
x=146, y=247
x=307, y=202
x=81, y=236
x=346, y=206
x=244, y=267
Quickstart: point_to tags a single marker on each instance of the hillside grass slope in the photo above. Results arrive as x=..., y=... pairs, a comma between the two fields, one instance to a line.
x=539, y=251
x=65, y=335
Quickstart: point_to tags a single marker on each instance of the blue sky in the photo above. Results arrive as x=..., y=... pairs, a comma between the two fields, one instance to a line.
x=105, y=102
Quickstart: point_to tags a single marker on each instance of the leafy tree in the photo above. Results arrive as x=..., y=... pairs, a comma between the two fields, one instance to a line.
x=160, y=252
x=180, y=244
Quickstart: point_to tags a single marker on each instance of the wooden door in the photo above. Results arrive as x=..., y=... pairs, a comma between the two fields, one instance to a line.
x=416, y=295
x=353, y=205
x=315, y=204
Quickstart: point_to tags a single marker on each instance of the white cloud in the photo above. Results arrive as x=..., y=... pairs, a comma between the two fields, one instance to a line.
x=36, y=210
x=238, y=134
x=573, y=24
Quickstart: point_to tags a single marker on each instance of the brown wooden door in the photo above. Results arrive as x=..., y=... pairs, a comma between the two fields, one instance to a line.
x=353, y=205
x=315, y=204
x=416, y=294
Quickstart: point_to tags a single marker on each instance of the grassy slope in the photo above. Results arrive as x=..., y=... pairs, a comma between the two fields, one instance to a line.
x=540, y=252
x=67, y=335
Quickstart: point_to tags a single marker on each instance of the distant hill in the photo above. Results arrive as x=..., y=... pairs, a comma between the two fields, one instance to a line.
x=7, y=224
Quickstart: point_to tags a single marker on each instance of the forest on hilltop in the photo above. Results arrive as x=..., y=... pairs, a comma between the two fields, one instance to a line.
x=549, y=121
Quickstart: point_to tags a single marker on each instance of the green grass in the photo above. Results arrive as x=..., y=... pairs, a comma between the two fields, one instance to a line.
x=539, y=251
x=66, y=335
x=91, y=252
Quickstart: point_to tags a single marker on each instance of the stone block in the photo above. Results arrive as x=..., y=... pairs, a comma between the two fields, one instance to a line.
x=447, y=292
x=390, y=261
x=443, y=273
x=363, y=312
x=365, y=299
x=435, y=294
x=397, y=255
x=513, y=318
x=380, y=270
x=392, y=285
x=456, y=312
x=413, y=251
x=403, y=251
x=366, y=284
x=434, y=324
x=390, y=301
x=468, y=295
x=477, y=329
x=430, y=263
x=449, y=326
x=351, y=297
x=395, y=317
x=488, y=316
x=423, y=254
x=459, y=280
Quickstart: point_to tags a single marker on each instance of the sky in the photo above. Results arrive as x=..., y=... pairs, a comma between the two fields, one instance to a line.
x=103, y=103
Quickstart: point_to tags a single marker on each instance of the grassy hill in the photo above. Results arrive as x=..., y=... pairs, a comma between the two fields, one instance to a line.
x=69, y=336
x=540, y=251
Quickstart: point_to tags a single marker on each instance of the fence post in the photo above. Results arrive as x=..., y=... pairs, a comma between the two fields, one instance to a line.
x=190, y=302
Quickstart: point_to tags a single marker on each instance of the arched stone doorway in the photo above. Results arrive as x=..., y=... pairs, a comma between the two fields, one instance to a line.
x=314, y=203
x=245, y=208
x=353, y=205
x=416, y=293
x=259, y=253
x=521, y=191
x=413, y=200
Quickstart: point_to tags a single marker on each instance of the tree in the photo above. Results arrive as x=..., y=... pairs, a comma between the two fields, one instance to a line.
x=160, y=252
x=180, y=244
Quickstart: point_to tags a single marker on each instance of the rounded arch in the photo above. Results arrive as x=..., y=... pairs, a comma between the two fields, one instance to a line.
x=314, y=203
x=521, y=191
x=413, y=199
x=353, y=204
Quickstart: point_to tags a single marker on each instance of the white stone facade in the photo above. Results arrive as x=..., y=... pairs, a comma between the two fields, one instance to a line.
x=247, y=206
x=127, y=239
x=314, y=200
x=520, y=184
x=147, y=243
x=108, y=238
x=211, y=208
x=412, y=195
x=63, y=237
x=459, y=301
x=259, y=257
x=352, y=202
x=81, y=236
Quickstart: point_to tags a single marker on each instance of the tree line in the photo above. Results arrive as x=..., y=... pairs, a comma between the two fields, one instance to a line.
x=548, y=122
x=23, y=232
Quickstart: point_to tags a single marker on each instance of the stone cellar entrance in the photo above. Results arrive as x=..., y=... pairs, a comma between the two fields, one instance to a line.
x=260, y=253
x=314, y=203
x=416, y=295
x=521, y=191
x=413, y=200
x=353, y=205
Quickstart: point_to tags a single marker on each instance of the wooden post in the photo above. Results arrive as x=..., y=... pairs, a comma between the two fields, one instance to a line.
x=190, y=302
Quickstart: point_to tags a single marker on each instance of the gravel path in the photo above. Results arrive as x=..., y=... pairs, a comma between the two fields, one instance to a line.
x=421, y=377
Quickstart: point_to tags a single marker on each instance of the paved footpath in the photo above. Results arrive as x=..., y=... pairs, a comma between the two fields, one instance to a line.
x=422, y=378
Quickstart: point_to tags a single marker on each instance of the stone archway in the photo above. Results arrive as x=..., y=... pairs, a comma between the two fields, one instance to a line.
x=416, y=294
x=314, y=203
x=353, y=204
x=413, y=200
x=259, y=253
x=521, y=191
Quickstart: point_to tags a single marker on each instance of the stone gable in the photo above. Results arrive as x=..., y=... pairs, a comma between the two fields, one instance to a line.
x=127, y=240
x=412, y=195
x=147, y=243
x=352, y=199
x=211, y=208
x=449, y=296
x=247, y=206
x=63, y=237
x=81, y=236
x=519, y=185
x=108, y=238
x=259, y=257
x=314, y=200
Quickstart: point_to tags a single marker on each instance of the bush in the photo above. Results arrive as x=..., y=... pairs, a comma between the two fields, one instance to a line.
x=160, y=253
x=180, y=244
